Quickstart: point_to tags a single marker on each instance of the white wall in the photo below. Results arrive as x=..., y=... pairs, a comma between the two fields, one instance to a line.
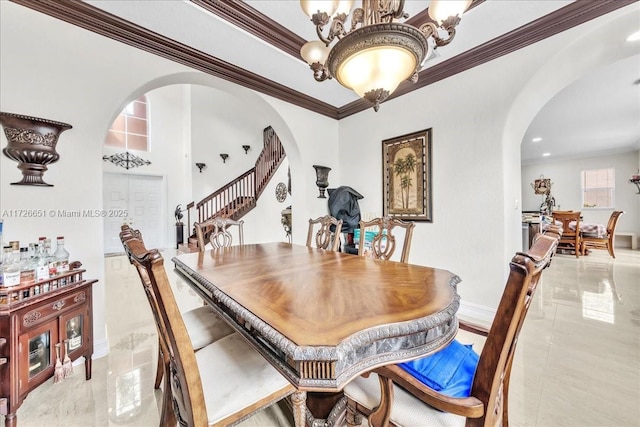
x=220, y=125
x=566, y=188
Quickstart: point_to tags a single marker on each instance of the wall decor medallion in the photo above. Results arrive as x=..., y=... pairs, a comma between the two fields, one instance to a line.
x=406, y=186
x=32, y=143
x=126, y=160
x=281, y=192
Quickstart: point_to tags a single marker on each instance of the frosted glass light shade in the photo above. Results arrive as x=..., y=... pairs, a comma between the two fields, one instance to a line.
x=381, y=67
x=309, y=7
x=314, y=51
x=344, y=6
x=440, y=10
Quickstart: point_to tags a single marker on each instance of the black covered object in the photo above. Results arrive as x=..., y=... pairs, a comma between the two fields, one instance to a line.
x=343, y=204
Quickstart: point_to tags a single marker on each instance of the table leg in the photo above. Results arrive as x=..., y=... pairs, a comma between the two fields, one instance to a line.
x=299, y=401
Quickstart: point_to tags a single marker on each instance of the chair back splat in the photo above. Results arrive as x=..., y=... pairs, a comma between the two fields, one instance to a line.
x=325, y=238
x=216, y=231
x=570, y=237
x=415, y=403
x=384, y=242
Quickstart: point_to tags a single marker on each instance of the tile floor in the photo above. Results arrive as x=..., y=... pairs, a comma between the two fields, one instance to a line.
x=577, y=363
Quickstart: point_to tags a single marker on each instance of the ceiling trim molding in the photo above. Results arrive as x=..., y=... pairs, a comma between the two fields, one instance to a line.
x=249, y=19
x=93, y=19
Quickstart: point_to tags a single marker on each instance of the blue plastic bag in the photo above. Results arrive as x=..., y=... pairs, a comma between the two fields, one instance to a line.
x=450, y=371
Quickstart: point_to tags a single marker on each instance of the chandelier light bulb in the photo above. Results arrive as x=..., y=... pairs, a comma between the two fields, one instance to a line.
x=440, y=10
x=314, y=52
x=309, y=7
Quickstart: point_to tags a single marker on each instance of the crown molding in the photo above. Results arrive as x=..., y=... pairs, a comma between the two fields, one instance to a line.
x=238, y=13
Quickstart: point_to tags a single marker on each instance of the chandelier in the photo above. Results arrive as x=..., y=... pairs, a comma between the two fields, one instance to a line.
x=376, y=53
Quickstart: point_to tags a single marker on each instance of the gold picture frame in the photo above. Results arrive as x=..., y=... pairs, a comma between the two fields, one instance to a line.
x=406, y=165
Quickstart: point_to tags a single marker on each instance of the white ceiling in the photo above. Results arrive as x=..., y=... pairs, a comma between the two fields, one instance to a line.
x=598, y=113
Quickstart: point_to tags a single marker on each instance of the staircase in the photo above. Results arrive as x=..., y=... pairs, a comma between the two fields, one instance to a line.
x=235, y=199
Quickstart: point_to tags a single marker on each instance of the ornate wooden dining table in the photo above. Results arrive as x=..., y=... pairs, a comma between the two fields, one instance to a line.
x=323, y=317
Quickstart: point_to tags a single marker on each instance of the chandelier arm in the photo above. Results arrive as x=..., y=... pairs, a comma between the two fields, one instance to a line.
x=443, y=42
x=323, y=39
x=320, y=72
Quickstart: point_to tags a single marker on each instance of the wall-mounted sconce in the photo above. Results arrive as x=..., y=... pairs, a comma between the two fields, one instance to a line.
x=322, y=179
x=224, y=157
x=246, y=148
x=201, y=166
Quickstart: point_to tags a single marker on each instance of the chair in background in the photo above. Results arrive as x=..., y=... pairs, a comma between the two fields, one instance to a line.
x=324, y=237
x=570, y=237
x=216, y=231
x=221, y=384
x=391, y=393
x=384, y=244
x=203, y=323
x=591, y=241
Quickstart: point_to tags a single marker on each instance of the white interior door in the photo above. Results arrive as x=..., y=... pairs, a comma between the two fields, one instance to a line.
x=142, y=197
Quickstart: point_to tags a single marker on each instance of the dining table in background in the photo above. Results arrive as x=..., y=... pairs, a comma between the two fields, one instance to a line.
x=322, y=318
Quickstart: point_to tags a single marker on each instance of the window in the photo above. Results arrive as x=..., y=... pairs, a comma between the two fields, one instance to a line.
x=598, y=188
x=130, y=130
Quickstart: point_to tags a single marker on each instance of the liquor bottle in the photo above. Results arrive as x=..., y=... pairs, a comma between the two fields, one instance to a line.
x=11, y=267
x=62, y=257
x=27, y=269
x=42, y=264
x=51, y=260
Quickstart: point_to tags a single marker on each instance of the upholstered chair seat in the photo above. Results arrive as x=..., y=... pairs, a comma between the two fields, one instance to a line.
x=205, y=326
x=235, y=376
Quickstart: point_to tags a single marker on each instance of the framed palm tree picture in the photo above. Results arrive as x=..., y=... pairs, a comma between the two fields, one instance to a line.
x=406, y=164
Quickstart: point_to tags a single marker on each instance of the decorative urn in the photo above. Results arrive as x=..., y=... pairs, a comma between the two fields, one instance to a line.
x=32, y=143
x=322, y=179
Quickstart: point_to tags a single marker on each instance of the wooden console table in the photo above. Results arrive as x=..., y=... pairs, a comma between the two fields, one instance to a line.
x=33, y=319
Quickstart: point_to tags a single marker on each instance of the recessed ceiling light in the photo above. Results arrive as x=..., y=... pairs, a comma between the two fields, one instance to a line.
x=536, y=139
x=634, y=37
x=546, y=154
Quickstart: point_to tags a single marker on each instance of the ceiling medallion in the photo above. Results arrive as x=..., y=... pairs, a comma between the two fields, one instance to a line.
x=377, y=53
x=281, y=192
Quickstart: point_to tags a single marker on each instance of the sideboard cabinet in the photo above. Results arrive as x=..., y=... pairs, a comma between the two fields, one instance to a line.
x=33, y=319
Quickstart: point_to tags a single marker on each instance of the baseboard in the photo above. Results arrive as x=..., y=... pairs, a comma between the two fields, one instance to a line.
x=475, y=313
x=100, y=348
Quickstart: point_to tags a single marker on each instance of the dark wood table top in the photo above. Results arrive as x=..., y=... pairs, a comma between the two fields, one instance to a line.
x=335, y=314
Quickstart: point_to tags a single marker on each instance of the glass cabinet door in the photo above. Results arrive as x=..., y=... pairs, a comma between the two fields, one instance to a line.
x=37, y=355
x=74, y=327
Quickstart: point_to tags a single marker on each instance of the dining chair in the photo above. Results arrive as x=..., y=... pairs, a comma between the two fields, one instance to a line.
x=570, y=237
x=221, y=384
x=203, y=324
x=325, y=238
x=395, y=393
x=383, y=244
x=592, y=241
x=216, y=231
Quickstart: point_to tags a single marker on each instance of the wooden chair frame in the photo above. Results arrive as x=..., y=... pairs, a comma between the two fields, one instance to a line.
x=215, y=230
x=183, y=385
x=607, y=242
x=384, y=245
x=488, y=402
x=570, y=238
x=324, y=237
